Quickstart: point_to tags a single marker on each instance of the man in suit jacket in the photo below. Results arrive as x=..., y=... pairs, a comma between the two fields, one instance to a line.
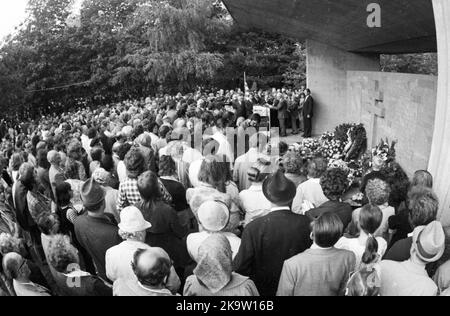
x=282, y=108
x=96, y=231
x=308, y=113
x=270, y=240
x=241, y=107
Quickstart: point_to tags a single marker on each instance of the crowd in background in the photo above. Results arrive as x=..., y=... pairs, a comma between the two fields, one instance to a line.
x=113, y=201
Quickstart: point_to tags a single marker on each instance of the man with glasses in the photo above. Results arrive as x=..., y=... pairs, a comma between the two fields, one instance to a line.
x=16, y=269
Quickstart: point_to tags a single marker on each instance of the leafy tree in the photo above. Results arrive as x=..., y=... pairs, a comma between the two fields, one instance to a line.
x=426, y=64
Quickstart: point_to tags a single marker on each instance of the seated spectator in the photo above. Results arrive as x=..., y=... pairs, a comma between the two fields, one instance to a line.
x=423, y=208
x=213, y=219
x=322, y=270
x=214, y=275
x=152, y=269
x=70, y=279
x=254, y=203
x=370, y=219
x=334, y=183
x=17, y=270
x=133, y=230
x=410, y=278
x=310, y=194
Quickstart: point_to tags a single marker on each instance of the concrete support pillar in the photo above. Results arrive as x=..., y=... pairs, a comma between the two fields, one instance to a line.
x=327, y=68
x=440, y=150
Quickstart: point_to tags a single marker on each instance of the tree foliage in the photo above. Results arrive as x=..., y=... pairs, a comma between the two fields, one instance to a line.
x=130, y=48
x=426, y=64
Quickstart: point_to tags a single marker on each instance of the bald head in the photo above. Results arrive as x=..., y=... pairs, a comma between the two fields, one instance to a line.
x=152, y=267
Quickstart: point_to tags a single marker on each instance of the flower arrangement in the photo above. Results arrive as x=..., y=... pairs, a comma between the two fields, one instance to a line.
x=341, y=132
x=385, y=150
x=327, y=137
x=311, y=144
x=330, y=149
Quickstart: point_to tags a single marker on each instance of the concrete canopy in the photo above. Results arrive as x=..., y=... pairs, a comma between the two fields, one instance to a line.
x=408, y=26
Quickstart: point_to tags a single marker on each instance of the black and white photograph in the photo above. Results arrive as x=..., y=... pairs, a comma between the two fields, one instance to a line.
x=225, y=153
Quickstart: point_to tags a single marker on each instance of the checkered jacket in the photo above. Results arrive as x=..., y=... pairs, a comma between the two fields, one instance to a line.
x=129, y=194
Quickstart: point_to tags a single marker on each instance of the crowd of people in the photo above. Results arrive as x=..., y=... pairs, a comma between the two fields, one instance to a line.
x=116, y=200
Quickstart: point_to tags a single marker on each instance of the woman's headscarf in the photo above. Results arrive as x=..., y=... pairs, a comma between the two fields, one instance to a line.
x=214, y=269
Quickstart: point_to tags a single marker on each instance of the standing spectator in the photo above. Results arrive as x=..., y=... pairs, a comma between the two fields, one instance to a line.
x=213, y=219
x=282, y=108
x=214, y=275
x=246, y=161
x=410, y=278
x=133, y=230
x=254, y=203
x=122, y=151
x=423, y=209
x=128, y=191
x=101, y=177
x=20, y=191
x=17, y=269
x=294, y=168
x=310, y=194
x=213, y=186
x=322, y=270
x=42, y=173
x=334, y=183
x=168, y=176
x=74, y=168
x=377, y=191
x=264, y=245
x=96, y=231
x=166, y=231
x=56, y=174
x=370, y=219
x=400, y=222
x=308, y=113
x=152, y=269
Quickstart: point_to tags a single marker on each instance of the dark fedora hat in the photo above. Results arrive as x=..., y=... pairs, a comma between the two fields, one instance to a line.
x=92, y=194
x=278, y=189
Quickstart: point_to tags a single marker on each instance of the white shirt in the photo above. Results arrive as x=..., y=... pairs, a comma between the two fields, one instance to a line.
x=254, y=202
x=194, y=241
x=358, y=246
x=119, y=258
x=309, y=191
x=225, y=148
x=194, y=170
x=406, y=279
x=122, y=172
x=118, y=263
